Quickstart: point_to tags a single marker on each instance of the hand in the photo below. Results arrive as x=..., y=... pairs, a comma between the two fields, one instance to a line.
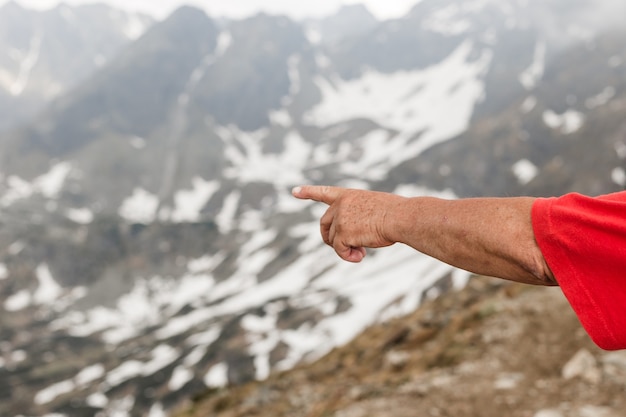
x=355, y=219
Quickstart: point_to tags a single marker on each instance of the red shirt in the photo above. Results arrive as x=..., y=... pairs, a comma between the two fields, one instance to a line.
x=583, y=240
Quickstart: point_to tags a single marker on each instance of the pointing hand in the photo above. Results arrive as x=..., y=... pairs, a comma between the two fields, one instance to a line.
x=355, y=219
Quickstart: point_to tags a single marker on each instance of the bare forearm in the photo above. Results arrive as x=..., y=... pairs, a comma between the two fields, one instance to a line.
x=487, y=236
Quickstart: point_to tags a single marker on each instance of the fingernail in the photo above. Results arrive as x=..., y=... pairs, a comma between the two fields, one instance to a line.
x=296, y=190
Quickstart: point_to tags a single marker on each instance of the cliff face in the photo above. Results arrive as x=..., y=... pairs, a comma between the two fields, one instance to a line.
x=493, y=349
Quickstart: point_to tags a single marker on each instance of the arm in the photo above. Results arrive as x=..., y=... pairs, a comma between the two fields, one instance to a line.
x=487, y=236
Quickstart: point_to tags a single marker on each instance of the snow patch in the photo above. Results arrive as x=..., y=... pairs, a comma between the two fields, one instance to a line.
x=263, y=336
x=16, y=247
x=314, y=36
x=600, y=99
x=224, y=42
x=89, y=375
x=80, y=216
x=370, y=157
x=134, y=27
x=97, y=400
x=148, y=303
x=18, y=356
x=157, y=410
x=437, y=102
x=26, y=66
x=180, y=377
x=144, y=305
x=281, y=118
x=371, y=295
x=18, y=301
x=620, y=149
x=217, y=377
x=249, y=164
x=227, y=217
x=51, y=393
x=205, y=264
x=189, y=203
x=50, y=184
x=525, y=171
x=48, y=293
x=202, y=340
x=162, y=356
x=531, y=77
x=18, y=189
x=141, y=207
x=619, y=176
x=81, y=380
x=49, y=290
x=251, y=221
x=6, y=79
x=567, y=123
x=4, y=272
x=124, y=372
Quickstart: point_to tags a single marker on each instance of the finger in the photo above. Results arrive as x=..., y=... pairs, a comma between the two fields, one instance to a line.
x=328, y=229
x=321, y=193
x=357, y=255
x=349, y=253
x=332, y=234
x=326, y=225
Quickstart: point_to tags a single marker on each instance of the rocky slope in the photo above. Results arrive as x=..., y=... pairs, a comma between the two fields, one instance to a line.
x=490, y=350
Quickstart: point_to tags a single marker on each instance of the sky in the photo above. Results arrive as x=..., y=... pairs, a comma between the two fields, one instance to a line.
x=383, y=9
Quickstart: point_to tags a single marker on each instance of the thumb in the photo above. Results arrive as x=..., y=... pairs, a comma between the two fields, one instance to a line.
x=321, y=193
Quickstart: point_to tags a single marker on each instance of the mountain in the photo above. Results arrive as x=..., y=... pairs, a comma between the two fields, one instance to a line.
x=46, y=53
x=349, y=21
x=490, y=350
x=150, y=248
x=564, y=135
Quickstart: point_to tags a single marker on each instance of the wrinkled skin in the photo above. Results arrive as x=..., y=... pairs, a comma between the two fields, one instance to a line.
x=487, y=236
x=355, y=219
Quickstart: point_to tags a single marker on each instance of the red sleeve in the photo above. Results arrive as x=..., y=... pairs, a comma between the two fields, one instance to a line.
x=583, y=240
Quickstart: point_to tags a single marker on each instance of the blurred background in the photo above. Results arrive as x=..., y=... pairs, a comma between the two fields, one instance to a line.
x=150, y=251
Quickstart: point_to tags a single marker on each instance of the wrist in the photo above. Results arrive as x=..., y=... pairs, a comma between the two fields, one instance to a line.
x=399, y=219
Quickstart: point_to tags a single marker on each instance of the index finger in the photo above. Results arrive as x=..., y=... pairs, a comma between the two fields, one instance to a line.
x=321, y=193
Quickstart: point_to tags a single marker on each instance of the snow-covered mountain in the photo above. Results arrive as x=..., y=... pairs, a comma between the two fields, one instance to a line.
x=44, y=54
x=350, y=21
x=150, y=247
